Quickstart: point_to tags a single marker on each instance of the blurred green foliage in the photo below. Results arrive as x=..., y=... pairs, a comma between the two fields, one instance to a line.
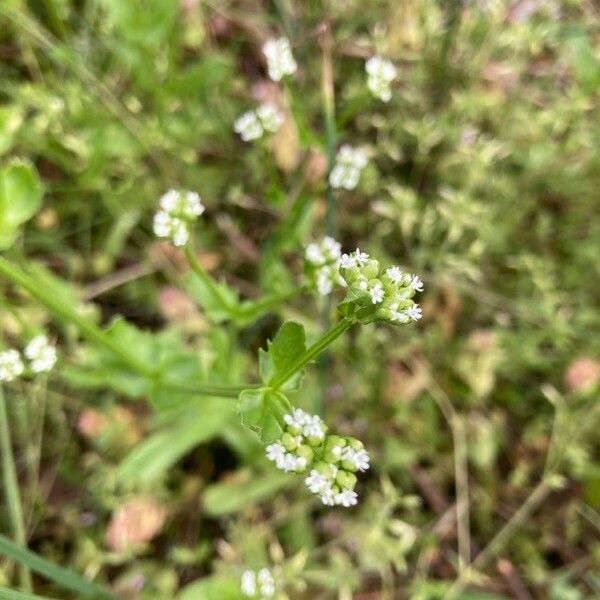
x=483, y=178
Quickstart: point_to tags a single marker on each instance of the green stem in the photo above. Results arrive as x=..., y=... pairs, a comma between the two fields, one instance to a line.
x=58, y=307
x=327, y=338
x=94, y=334
x=207, y=279
x=11, y=488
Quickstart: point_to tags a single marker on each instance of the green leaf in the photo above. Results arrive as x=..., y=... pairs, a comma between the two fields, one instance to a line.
x=212, y=588
x=151, y=458
x=283, y=351
x=8, y=594
x=10, y=121
x=20, y=199
x=228, y=497
x=62, y=577
x=262, y=411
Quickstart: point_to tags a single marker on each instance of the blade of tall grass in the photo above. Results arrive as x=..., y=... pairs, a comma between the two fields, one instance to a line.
x=8, y=594
x=62, y=577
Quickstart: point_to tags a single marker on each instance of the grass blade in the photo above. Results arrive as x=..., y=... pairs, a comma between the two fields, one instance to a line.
x=62, y=577
x=8, y=594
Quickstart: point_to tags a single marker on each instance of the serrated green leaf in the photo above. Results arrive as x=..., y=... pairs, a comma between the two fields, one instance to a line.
x=283, y=351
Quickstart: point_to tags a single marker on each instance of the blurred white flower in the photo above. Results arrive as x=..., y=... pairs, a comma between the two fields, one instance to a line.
x=316, y=482
x=11, y=365
x=41, y=353
x=380, y=74
x=377, y=293
x=248, y=126
x=414, y=312
x=270, y=117
x=280, y=61
x=258, y=584
x=253, y=123
x=177, y=210
x=346, y=498
x=349, y=162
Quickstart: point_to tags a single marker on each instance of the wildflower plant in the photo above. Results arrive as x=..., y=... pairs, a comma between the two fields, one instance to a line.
x=346, y=171
x=280, y=60
x=322, y=260
x=253, y=124
x=177, y=211
x=381, y=72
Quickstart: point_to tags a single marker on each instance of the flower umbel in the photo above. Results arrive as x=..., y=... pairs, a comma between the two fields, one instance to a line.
x=280, y=61
x=41, y=353
x=258, y=584
x=254, y=123
x=380, y=74
x=349, y=163
x=332, y=460
x=389, y=293
x=177, y=210
x=11, y=365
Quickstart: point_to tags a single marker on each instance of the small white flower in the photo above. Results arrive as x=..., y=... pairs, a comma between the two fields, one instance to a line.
x=377, y=293
x=270, y=117
x=11, y=365
x=314, y=427
x=41, y=354
x=327, y=496
x=414, y=312
x=314, y=254
x=316, y=482
x=248, y=126
x=347, y=261
x=360, y=458
x=280, y=61
x=176, y=211
x=289, y=463
x=381, y=72
x=416, y=283
x=324, y=280
x=332, y=247
x=266, y=583
x=297, y=418
x=275, y=452
x=395, y=274
x=348, y=164
x=248, y=583
x=346, y=498
x=397, y=315
x=361, y=258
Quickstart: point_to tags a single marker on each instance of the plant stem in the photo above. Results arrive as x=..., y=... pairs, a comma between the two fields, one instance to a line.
x=11, y=489
x=207, y=279
x=326, y=339
x=94, y=334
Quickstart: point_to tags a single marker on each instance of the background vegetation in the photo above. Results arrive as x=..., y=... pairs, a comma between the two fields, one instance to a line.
x=483, y=178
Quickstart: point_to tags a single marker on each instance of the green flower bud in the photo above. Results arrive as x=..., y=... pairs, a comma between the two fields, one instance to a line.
x=346, y=480
x=355, y=444
x=306, y=452
x=289, y=441
x=350, y=275
x=371, y=269
x=326, y=469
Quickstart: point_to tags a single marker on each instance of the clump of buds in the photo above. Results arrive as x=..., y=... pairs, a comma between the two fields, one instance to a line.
x=333, y=460
x=387, y=292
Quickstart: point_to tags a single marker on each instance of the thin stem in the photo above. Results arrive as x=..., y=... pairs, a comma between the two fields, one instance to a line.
x=312, y=352
x=57, y=306
x=94, y=334
x=207, y=279
x=11, y=489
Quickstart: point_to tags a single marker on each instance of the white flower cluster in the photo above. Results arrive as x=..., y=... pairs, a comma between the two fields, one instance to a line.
x=11, y=365
x=280, y=61
x=332, y=460
x=258, y=584
x=322, y=260
x=390, y=292
x=177, y=210
x=381, y=72
x=40, y=353
x=253, y=123
x=349, y=162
